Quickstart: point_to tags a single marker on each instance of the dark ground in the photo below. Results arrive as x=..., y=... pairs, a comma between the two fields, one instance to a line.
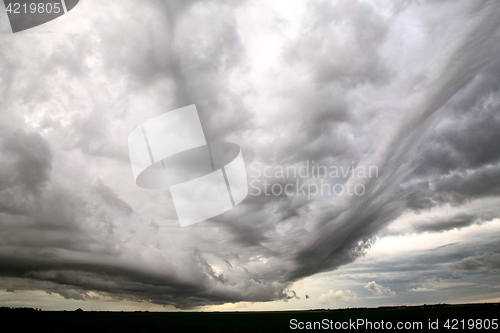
x=29, y=320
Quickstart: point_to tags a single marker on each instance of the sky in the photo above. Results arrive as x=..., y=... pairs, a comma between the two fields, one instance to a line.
x=369, y=132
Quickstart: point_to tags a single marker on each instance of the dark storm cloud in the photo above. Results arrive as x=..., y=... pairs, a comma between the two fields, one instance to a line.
x=66, y=219
x=459, y=162
x=352, y=231
x=471, y=142
x=461, y=185
x=88, y=228
x=444, y=223
x=193, y=45
x=453, y=222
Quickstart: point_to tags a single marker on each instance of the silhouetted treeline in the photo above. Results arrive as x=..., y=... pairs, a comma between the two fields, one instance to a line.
x=8, y=309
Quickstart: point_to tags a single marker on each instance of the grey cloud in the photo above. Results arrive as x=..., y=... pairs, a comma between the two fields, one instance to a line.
x=469, y=143
x=349, y=230
x=444, y=223
x=473, y=263
x=132, y=283
x=28, y=158
x=71, y=294
x=462, y=187
x=26, y=166
x=107, y=235
x=110, y=197
x=459, y=221
x=333, y=37
x=293, y=295
x=459, y=162
x=435, y=283
x=456, y=188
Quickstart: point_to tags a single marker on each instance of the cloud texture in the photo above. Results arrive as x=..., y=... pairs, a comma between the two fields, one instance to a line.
x=411, y=88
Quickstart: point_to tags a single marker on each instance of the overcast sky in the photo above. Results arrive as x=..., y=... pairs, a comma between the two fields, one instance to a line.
x=410, y=88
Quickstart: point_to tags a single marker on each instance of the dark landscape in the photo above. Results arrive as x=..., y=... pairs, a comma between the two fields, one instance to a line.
x=29, y=319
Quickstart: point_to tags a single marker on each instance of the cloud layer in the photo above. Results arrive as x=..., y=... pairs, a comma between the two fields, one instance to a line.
x=411, y=88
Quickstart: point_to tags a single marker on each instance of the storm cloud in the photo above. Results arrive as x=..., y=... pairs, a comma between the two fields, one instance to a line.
x=411, y=89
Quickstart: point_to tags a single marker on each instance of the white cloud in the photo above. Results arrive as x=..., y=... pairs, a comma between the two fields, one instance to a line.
x=378, y=289
x=338, y=296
